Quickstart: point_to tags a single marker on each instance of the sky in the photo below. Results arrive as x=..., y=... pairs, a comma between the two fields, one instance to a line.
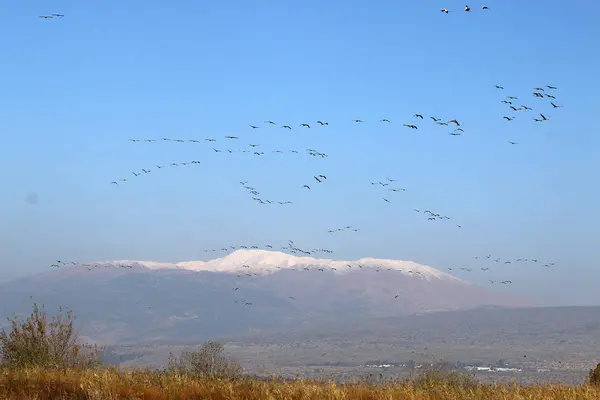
x=76, y=89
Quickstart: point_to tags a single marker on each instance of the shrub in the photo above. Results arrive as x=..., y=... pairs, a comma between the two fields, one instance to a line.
x=38, y=341
x=208, y=360
x=443, y=377
x=594, y=376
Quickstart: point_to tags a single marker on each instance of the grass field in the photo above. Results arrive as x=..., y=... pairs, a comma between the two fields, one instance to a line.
x=110, y=383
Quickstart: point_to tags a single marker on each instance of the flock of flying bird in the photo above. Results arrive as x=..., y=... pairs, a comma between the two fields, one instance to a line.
x=514, y=107
x=253, y=148
x=489, y=261
x=466, y=8
x=444, y=10
x=316, y=179
x=456, y=132
x=388, y=184
x=51, y=16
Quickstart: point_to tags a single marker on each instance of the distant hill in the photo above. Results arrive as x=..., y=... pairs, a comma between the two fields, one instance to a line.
x=484, y=325
x=145, y=301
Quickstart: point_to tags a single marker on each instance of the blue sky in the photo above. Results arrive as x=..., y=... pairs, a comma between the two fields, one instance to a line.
x=74, y=90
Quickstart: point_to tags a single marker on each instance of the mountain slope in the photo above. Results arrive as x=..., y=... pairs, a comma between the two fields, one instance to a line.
x=248, y=289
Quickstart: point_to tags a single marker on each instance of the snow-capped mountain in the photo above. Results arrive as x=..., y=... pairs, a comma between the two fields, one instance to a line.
x=267, y=262
x=246, y=289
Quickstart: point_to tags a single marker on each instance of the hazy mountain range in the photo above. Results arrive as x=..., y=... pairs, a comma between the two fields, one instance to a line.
x=245, y=291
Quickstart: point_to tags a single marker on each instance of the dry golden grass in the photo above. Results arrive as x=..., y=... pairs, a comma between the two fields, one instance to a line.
x=110, y=383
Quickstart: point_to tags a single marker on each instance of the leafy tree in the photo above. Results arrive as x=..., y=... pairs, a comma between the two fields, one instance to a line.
x=43, y=342
x=208, y=360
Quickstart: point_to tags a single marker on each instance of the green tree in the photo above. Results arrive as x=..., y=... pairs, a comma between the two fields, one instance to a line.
x=43, y=342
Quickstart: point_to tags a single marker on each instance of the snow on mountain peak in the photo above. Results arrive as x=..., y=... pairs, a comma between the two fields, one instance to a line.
x=267, y=262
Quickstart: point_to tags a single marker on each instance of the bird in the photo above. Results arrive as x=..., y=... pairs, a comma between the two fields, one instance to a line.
x=254, y=126
x=411, y=126
x=444, y=10
x=418, y=116
x=286, y=127
x=467, y=8
x=322, y=123
x=555, y=105
x=305, y=125
x=499, y=87
x=385, y=120
x=512, y=142
x=508, y=118
x=358, y=120
x=484, y=7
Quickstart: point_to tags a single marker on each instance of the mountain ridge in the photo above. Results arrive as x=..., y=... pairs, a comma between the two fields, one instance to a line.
x=245, y=290
x=267, y=261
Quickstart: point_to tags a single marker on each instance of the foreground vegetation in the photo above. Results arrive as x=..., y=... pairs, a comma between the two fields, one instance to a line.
x=109, y=383
x=43, y=359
